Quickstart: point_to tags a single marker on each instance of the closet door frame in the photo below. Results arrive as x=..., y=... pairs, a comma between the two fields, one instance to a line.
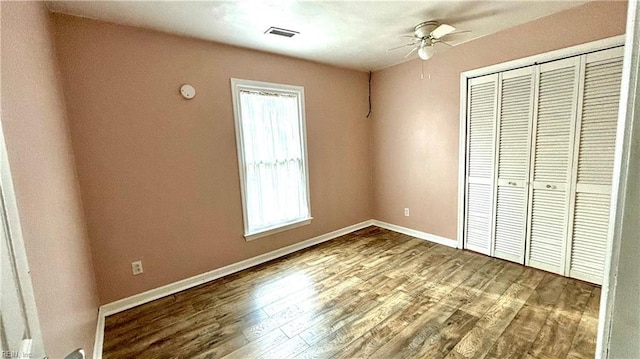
x=466, y=76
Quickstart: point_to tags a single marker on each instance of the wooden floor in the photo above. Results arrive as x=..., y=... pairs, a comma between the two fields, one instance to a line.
x=372, y=293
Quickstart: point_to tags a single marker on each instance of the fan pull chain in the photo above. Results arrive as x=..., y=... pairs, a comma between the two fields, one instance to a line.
x=422, y=71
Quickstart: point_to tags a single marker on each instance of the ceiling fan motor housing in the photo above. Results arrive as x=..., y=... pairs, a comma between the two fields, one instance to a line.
x=424, y=29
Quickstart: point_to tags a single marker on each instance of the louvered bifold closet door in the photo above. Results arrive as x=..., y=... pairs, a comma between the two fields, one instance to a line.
x=554, y=126
x=481, y=119
x=515, y=117
x=593, y=166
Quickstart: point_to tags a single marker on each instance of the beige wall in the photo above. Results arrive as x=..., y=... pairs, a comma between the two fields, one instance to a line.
x=416, y=122
x=40, y=155
x=159, y=174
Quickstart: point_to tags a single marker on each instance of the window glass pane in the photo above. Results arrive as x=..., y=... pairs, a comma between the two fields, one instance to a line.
x=275, y=183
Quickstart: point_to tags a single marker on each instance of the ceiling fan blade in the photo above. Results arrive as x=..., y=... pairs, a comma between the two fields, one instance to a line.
x=441, y=31
x=411, y=52
x=399, y=47
x=443, y=42
x=459, y=32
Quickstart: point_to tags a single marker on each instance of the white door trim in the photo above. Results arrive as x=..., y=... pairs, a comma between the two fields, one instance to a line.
x=625, y=170
x=10, y=215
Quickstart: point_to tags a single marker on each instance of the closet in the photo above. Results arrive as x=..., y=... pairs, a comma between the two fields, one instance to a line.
x=539, y=163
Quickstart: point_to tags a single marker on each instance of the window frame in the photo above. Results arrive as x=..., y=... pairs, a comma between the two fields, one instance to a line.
x=238, y=85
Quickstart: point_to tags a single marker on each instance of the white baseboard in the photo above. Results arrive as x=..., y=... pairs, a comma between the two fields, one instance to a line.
x=175, y=287
x=418, y=234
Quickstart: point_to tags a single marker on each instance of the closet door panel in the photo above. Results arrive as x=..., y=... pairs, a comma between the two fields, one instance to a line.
x=514, y=123
x=481, y=117
x=547, y=230
x=510, y=223
x=590, y=233
x=478, y=217
x=554, y=126
x=599, y=118
x=595, y=145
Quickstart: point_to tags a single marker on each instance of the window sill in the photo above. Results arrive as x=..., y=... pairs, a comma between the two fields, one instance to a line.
x=281, y=228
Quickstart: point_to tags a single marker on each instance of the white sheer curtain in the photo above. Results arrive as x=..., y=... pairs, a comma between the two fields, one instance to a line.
x=275, y=183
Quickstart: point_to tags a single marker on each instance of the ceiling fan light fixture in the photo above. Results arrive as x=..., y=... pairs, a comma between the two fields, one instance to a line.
x=426, y=52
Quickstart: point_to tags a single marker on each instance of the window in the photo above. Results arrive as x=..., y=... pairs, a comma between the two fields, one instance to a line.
x=272, y=156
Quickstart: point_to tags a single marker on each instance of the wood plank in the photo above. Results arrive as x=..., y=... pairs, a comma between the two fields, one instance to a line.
x=443, y=286
x=474, y=285
x=336, y=340
x=259, y=347
x=445, y=338
x=475, y=344
x=377, y=336
x=429, y=277
x=494, y=290
x=290, y=348
x=509, y=346
x=331, y=324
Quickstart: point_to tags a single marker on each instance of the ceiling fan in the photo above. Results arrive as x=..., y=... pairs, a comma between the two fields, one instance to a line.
x=425, y=36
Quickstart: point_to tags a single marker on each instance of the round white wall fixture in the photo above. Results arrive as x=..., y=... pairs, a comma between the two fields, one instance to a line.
x=187, y=91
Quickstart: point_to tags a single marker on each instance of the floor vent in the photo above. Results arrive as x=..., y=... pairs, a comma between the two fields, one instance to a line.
x=281, y=32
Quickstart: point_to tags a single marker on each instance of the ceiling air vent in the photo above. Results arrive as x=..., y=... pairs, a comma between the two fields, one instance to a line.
x=281, y=32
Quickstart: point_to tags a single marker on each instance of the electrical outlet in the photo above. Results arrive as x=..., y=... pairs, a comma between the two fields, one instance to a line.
x=406, y=212
x=136, y=267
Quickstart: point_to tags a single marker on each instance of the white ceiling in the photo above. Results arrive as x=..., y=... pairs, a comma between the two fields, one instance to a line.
x=352, y=34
